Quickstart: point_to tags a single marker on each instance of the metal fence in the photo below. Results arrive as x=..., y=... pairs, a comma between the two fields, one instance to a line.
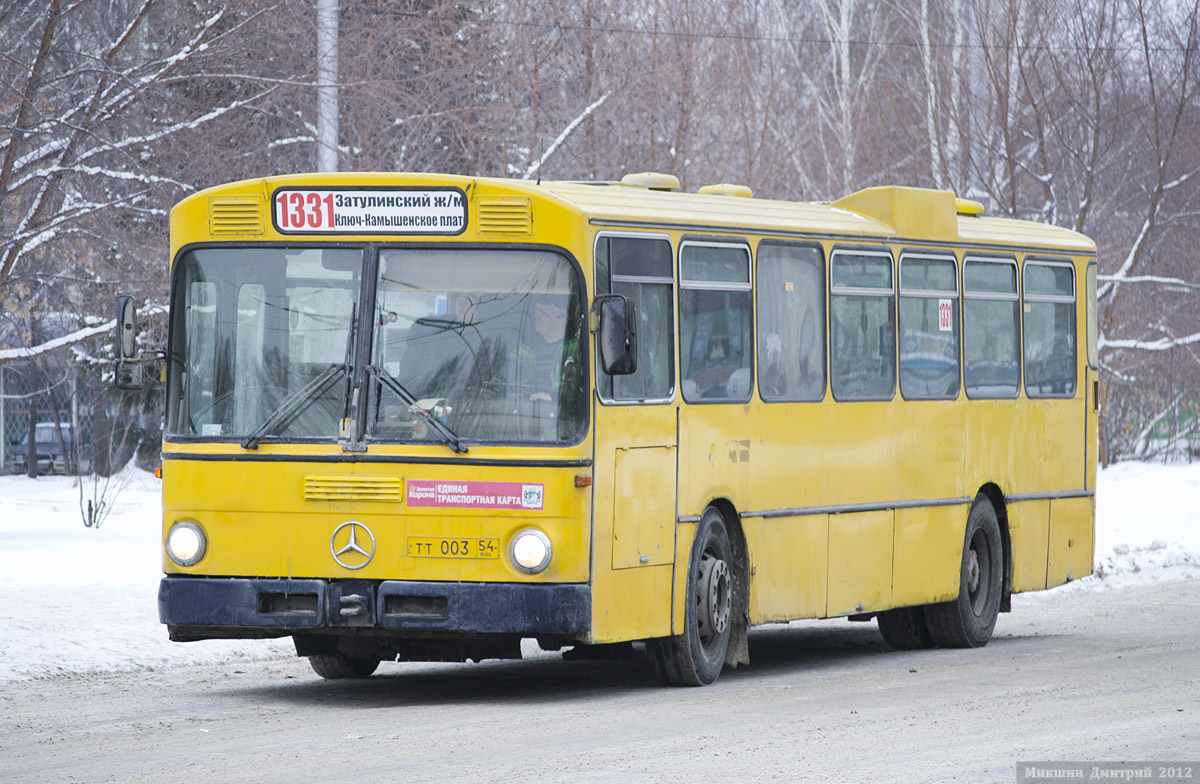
x=78, y=424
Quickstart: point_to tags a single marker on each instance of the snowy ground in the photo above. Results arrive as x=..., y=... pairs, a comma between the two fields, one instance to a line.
x=84, y=600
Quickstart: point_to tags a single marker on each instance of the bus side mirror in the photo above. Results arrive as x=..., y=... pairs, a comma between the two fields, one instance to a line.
x=129, y=371
x=618, y=338
x=126, y=324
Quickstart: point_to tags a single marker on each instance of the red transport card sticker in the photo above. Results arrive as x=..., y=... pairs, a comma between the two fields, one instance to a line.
x=475, y=495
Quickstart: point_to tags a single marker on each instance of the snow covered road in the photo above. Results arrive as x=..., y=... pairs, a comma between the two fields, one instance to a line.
x=1075, y=675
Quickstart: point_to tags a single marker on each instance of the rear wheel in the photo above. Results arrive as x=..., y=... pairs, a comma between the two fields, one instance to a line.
x=695, y=658
x=968, y=621
x=905, y=629
x=335, y=667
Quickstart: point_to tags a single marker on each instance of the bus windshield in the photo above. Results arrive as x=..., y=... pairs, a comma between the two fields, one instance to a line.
x=487, y=342
x=262, y=342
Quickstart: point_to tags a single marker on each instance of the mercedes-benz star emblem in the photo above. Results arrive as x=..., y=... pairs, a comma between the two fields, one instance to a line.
x=352, y=545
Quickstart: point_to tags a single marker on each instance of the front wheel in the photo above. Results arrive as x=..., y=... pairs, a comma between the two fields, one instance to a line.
x=336, y=667
x=968, y=621
x=696, y=657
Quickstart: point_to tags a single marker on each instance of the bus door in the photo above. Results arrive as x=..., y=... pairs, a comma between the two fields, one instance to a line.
x=636, y=457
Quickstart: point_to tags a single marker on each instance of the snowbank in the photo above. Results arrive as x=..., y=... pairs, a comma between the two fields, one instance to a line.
x=1147, y=524
x=84, y=600
x=81, y=600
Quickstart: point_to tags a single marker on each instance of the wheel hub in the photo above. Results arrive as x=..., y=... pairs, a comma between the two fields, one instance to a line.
x=714, y=597
x=972, y=571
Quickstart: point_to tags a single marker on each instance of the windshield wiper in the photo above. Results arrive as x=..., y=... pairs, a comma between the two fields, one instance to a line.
x=448, y=435
x=294, y=402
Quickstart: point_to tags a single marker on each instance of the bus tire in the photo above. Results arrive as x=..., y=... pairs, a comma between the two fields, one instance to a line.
x=696, y=657
x=336, y=667
x=904, y=628
x=968, y=621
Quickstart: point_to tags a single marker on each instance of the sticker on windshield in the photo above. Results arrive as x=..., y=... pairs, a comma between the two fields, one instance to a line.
x=369, y=211
x=476, y=495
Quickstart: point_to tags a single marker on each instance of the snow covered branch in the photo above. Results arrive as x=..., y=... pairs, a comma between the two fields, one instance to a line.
x=562, y=137
x=1161, y=344
x=78, y=336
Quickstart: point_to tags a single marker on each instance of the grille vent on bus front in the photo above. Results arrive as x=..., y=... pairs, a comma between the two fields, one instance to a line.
x=240, y=215
x=353, y=488
x=505, y=216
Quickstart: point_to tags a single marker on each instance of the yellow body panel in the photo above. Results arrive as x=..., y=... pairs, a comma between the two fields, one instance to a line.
x=792, y=473
x=1029, y=522
x=643, y=510
x=790, y=554
x=1072, y=539
x=860, y=561
x=925, y=564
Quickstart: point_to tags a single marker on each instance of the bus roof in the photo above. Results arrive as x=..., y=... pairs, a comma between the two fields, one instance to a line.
x=916, y=215
x=888, y=212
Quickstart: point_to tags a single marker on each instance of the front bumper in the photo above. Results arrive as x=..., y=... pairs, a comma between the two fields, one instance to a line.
x=216, y=607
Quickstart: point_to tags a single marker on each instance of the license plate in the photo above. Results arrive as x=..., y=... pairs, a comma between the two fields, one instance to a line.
x=442, y=547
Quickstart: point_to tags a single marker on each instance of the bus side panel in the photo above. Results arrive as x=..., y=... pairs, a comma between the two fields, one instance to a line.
x=998, y=450
x=860, y=562
x=643, y=509
x=861, y=466
x=790, y=450
x=928, y=554
x=715, y=452
x=788, y=555
x=1053, y=427
x=634, y=480
x=862, y=454
x=1072, y=540
x=787, y=559
x=1029, y=526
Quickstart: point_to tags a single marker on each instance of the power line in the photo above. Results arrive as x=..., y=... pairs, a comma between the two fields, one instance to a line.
x=813, y=40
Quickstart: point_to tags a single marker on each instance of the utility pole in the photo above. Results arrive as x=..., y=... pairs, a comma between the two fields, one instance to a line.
x=327, y=91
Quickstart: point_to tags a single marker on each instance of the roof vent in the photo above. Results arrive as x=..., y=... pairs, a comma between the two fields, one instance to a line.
x=236, y=215
x=654, y=181
x=727, y=189
x=506, y=216
x=969, y=207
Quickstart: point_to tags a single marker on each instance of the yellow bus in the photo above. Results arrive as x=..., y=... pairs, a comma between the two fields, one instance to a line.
x=424, y=417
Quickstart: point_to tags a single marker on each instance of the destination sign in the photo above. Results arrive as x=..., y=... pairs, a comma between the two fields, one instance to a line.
x=369, y=211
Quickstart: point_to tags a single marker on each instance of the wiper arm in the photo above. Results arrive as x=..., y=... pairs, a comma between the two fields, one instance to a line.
x=448, y=435
x=293, y=402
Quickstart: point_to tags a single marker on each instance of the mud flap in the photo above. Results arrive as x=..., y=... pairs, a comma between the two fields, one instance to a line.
x=739, y=642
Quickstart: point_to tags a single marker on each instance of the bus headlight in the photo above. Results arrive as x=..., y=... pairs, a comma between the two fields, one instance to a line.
x=186, y=543
x=531, y=551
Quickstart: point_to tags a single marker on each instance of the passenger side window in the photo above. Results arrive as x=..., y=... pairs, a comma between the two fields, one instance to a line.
x=990, y=342
x=862, y=325
x=928, y=327
x=640, y=268
x=1049, y=327
x=714, y=321
x=791, y=322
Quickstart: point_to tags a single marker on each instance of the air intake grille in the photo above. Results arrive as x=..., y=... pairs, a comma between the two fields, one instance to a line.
x=243, y=215
x=353, y=488
x=505, y=215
